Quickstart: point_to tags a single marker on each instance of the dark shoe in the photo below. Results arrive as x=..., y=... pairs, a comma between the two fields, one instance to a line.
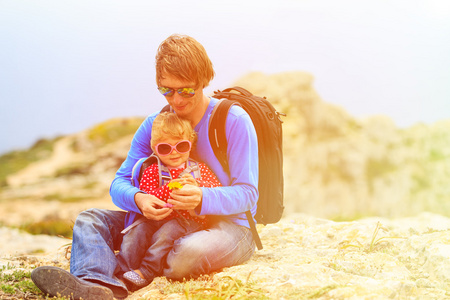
x=57, y=282
x=134, y=278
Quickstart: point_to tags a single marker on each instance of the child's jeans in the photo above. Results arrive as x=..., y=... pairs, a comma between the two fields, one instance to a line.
x=97, y=234
x=142, y=242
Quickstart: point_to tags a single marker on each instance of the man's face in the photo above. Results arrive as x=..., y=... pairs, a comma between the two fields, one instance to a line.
x=183, y=107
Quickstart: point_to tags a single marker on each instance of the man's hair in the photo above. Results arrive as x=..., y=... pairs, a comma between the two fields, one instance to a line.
x=186, y=59
x=169, y=124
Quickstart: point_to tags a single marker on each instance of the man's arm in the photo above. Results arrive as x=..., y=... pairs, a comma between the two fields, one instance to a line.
x=121, y=190
x=240, y=192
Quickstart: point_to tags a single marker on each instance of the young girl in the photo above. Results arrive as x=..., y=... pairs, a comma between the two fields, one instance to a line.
x=172, y=140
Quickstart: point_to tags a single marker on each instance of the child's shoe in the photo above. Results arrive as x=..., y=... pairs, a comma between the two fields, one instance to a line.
x=134, y=278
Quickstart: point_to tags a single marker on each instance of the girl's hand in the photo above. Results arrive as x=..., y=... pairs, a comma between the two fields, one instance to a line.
x=151, y=207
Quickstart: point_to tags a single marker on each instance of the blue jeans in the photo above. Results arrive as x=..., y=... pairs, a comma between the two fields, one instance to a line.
x=97, y=235
x=146, y=246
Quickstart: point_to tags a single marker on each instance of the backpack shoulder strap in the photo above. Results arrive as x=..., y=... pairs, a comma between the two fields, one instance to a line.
x=192, y=167
x=136, y=172
x=142, y=164
x=219, y=144
x=164, y=174
x=217, y=131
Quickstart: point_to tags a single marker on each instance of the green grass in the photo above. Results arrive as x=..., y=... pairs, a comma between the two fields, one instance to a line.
x=351, y=217
x=376, y=169
x=15, y=161
x=100, y=135
x=50, y=226
x=16, y=283
x=64, y=198
x=74, y=170
x=113, y=129
x=207, y=288
x=375, y=242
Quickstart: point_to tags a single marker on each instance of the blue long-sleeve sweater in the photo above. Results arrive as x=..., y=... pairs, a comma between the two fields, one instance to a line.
x=239, y=192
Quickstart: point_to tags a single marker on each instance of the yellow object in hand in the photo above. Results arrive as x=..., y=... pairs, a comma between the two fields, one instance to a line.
x=173, y=185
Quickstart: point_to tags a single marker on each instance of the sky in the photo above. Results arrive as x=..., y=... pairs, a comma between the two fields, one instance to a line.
x=68, y=65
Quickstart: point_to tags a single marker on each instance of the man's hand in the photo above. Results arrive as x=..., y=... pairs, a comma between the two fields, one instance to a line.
x=188, y=197
x=151, y=207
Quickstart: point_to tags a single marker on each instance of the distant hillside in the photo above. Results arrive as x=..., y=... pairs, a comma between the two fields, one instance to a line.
x=339, y=167
x=91, y=154
x=336, y=166
x=56, y=179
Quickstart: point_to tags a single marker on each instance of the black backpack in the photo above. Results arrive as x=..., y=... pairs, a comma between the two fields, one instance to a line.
x=268, y=128
x=267, y=124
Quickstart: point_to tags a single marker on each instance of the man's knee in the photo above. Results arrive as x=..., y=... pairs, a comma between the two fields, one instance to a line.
x=96, y=220
x=88, y=215
x=186, y=260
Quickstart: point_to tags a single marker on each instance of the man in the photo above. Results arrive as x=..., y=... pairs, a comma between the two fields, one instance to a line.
x=183, y=70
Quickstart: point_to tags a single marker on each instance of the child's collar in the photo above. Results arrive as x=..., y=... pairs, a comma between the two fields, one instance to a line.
x=182, y=166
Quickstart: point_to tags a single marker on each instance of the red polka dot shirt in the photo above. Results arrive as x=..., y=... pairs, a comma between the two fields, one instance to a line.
x=150, y=184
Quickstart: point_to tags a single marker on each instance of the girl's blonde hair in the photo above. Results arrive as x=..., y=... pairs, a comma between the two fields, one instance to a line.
x=186, y=59
x=169, y=124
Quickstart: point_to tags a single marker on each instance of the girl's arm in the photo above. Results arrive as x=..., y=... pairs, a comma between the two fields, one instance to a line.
x=150, y=183
x=208, y=179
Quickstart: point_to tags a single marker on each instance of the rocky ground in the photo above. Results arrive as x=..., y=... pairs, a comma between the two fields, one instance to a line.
x=306, y=257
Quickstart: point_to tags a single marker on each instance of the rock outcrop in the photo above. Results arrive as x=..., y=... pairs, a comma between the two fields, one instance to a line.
x=340, y=167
